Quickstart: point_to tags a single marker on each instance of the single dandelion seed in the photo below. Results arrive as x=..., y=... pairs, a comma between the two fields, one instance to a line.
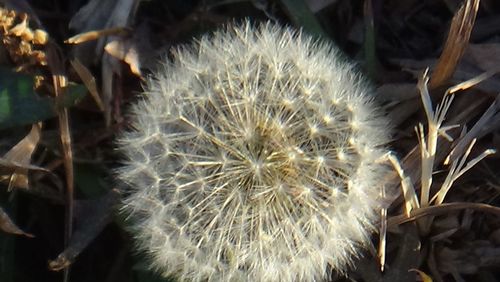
x=252, y=156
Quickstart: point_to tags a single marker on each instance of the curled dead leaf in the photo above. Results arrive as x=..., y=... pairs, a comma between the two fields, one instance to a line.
x=15, y=163
x=126, y=51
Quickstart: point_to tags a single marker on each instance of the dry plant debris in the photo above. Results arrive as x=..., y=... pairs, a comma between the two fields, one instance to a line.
x=25, y=45
x=456, y=43
x=14, y=165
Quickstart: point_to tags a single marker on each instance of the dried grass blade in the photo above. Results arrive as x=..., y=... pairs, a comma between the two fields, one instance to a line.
x=456, y=43
x=424, y=94
x=440, y=210
x=409, y=194
x=382, y=234
x=459, y=170
x=96, y=34
x=89, y=81
x=487, y=123
x=60, y=82
x=427, y=147
x=471, y=82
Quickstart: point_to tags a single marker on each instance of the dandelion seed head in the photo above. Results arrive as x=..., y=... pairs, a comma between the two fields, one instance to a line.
x=252, y=156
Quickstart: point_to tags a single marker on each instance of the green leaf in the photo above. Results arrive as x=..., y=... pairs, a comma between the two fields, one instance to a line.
x=20, y=105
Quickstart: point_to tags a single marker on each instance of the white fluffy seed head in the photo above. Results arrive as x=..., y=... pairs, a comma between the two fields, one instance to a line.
x=253, y=157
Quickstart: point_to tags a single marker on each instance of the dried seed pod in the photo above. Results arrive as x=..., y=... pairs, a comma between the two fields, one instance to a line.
x=24, y=45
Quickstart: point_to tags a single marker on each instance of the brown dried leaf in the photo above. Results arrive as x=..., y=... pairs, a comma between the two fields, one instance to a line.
x=8, y=226
x=103, y=15
x=456, y=43
x=96, y=34
x=89, y=81
x=10, y=166
x=126, y=51
x=60, y=83
x=109, y=16
x=23, y=44
x=20, y=28
x=15, y=164
x=22, y=6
